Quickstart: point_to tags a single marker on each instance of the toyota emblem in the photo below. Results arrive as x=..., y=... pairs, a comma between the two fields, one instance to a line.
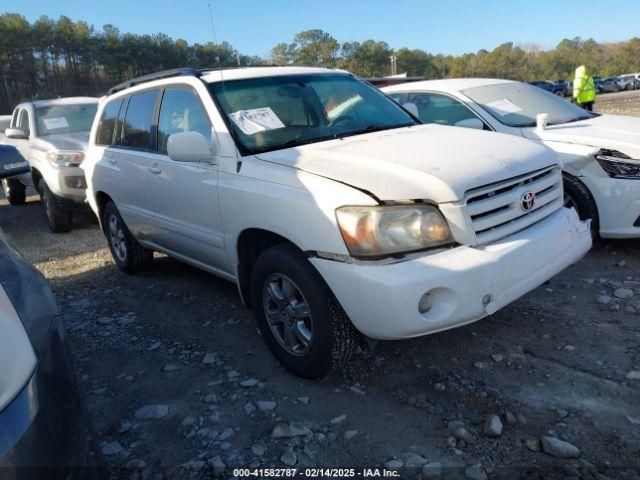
x=527, y=201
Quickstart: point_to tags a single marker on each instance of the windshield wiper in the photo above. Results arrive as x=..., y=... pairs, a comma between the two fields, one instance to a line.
x=577, y=119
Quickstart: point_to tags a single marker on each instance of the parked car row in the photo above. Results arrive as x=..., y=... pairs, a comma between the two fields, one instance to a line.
x=311, y=190
x=564, y=88
x=340, y=211
x=332, y=207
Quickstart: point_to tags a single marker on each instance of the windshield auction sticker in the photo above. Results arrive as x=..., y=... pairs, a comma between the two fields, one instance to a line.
x=256, y=120
x=55, y=123
x=504, y=107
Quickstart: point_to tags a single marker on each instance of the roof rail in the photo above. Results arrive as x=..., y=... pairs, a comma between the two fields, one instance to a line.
x=186, y=71
x=174, y=72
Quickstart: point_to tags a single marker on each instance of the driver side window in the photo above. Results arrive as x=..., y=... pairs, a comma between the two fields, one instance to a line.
x=440, y=109
x=181, y=111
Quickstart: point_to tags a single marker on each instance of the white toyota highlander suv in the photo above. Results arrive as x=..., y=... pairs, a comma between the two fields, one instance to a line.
x=331, y=207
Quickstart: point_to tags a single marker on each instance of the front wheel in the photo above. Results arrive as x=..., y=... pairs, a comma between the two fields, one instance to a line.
x=578, y=196
x=59, y=221
x=128, y=254
x=14, y=191
x=299, y=318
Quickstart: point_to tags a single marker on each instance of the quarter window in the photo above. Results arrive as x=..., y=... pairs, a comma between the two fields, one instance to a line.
x=181, y=111
x=136, y=129
x=104, y=135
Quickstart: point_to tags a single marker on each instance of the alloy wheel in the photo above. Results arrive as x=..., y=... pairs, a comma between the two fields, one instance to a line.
x=288, y=314
x=116, y=236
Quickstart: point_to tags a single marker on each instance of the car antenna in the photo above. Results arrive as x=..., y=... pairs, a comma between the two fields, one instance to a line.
x=220, y=69
x=215, y=42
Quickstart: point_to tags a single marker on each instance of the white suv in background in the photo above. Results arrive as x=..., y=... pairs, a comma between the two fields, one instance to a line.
x=326, y=203
x=52, y=136
x=599, y=154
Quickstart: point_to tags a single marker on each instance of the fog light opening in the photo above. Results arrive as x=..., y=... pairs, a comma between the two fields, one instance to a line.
x=425, y=303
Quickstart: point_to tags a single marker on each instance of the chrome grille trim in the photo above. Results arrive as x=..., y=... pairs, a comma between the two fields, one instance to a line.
x=496, y=210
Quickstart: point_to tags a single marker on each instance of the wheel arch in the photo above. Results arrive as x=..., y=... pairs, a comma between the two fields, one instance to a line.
x=250, y=244
x=36, y=176
x=102, y=199
x=586, y=190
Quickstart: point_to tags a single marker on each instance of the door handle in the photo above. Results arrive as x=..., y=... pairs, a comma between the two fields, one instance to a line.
x=154, y=169
x=110, y=158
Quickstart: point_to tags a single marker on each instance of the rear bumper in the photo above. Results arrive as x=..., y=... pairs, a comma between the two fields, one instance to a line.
x=43, y=433
x=465, y=283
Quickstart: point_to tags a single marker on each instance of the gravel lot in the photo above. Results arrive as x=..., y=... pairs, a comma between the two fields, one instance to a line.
x=178, y=383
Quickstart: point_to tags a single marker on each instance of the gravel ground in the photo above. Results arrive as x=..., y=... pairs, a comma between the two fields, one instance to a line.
x=178, y=383
x=622, y=103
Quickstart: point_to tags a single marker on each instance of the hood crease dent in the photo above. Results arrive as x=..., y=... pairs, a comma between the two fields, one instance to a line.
x=426, y=162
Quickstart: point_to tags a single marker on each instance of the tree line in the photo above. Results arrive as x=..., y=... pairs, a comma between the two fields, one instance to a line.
x=54, y=58
x=516, y=62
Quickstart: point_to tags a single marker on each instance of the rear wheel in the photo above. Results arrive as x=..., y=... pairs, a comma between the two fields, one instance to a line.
x=14, y=190
x=59, y=221
x=128, y=254
x=299, y=318
x=578, y=196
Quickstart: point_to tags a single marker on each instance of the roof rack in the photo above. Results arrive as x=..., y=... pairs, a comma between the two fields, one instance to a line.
x=174, y=72
x=184, y=71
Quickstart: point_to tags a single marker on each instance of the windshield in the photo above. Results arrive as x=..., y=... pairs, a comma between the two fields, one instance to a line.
x=518, y=104
x=284, y=111
x=65, y=118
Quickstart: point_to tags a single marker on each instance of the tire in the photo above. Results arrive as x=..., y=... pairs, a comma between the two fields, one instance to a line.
x=59, y=221
x=578, y=196
x=15, y=191
x=127, y=253
x=559, y=93
x=332, y=338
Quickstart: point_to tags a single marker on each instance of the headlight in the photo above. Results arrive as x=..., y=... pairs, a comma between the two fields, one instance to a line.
x=618, y=165
x=387, y=230
x=65, y=158
x=17, y=358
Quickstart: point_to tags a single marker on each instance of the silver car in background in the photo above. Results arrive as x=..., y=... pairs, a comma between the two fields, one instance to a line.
x=52, y=136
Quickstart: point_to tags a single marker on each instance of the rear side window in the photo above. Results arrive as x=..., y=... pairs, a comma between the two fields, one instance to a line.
x=136, y=128
x=181, y=111
x=104, y=135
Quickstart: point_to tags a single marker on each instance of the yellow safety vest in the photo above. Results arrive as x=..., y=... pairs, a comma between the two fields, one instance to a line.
x=584, y=89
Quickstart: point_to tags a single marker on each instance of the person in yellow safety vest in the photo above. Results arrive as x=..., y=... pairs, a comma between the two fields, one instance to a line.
x=584, y=89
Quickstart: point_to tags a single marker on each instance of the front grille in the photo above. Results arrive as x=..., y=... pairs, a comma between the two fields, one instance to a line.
x=497, y=211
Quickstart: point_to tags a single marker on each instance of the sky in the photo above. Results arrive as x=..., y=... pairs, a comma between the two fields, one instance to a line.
x=436, y=26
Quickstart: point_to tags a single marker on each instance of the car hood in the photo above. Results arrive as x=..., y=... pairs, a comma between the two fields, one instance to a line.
x=63, y=141
x=615, y=132
x=427, y=162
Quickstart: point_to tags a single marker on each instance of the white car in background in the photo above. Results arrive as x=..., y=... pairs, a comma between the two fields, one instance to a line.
x=599, y=154
x=51, y=135
x=326, y=203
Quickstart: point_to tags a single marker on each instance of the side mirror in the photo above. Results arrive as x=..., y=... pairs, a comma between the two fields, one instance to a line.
x=412, y=108
x=11, y=162
x=471, y=123
x=16, y=133
x=189, y=147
